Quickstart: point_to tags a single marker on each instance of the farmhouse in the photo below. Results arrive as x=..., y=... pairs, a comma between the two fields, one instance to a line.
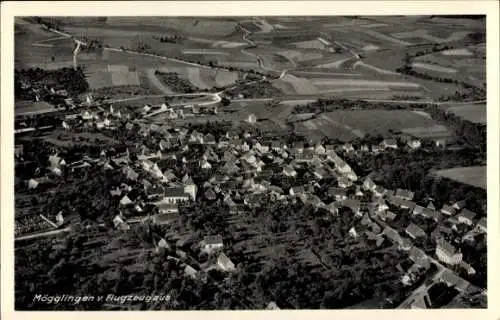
x=447, y=253
x=368, y=184
x=389, y=144
x=466, y=217
x=481, y=224
x=404, y=194
x=175, y=195
x=459, y=205
x=212, y=243
x=289, y=171
x=224, y=263
x=448, y=210
x=415, y=231
x=414, y=144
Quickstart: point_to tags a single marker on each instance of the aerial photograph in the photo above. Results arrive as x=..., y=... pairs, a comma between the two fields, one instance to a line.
x=250, y=162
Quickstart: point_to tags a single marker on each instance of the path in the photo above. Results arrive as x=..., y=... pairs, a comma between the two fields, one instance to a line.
x=43, y=234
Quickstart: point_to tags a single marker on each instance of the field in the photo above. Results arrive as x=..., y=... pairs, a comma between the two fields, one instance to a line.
x=349, y=124
x=35, y=47
x=475, y=113
x=23, y=108
x=474, y=176
x=327, y=46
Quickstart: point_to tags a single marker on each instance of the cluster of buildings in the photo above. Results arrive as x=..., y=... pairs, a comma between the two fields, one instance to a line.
x=240, y=168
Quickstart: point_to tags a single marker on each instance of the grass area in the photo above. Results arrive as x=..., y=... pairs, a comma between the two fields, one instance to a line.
x=474, y=176
x=475, y=113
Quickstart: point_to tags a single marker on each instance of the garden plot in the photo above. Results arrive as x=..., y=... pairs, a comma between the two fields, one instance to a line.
x=474, y=176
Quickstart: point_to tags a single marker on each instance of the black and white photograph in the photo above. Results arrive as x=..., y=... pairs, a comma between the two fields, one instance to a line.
x=268, y=162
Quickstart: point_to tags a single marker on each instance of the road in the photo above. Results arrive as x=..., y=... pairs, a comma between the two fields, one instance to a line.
x=43, y=234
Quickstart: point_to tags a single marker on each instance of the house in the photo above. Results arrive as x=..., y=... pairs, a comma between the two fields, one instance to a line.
x=431, y=206
x=375, y=237
x=272, y=306
x=404, y=194
x=415, y=231
x=190, y=272
x=251, y=119
x=210, y=194
x=448, y=210
x=204, y=164
x=117, y=220
x=319, y=149
x=467, y=268
x=353, y=233
x=466, y=217
x=481, y=225
x=125, y=201
x=377, y=149
x=297, y=191
x=130, y=173
x=414, y=143
x=419, y=257
x=381, y=205
x=19, y=150
x=339, y=193
x=348, y=147
x=320, y=173
x=164, y=207
x=459, y=205
x=315, y=201
x=333, y=207
x=389, y=143
x=163, y=244
x=210, y=139
x=298, y=147
x=418, y=210
x=364, y=148
x=224, y=263
x=447, y=253
x=212, y=243
x=344, y=182
x=368, y=184
x=392, y=235
x=379, y=191
x=289, y=171
x=306, y=156
x=261, y=148
x=175, y=195
x=431, y=214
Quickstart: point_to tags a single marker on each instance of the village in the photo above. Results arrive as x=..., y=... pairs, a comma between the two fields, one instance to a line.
x=232, y=167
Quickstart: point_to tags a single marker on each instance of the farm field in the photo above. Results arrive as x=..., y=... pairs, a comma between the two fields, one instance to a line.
x=474, y=176
x=22, y=108
x=475, y=113
x=349, y=124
